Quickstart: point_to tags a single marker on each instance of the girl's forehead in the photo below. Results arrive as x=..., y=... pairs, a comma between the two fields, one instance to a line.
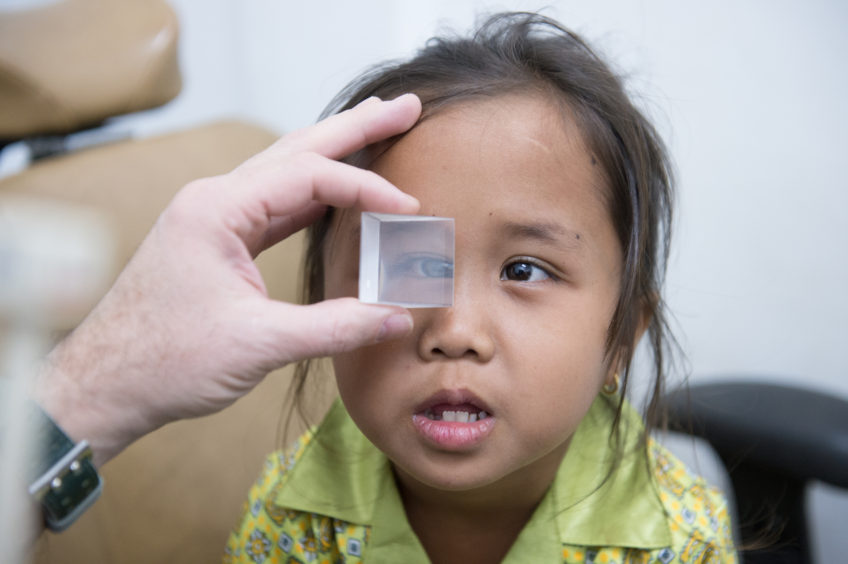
x=517, y=150
x=505, y=168
x=534, y=117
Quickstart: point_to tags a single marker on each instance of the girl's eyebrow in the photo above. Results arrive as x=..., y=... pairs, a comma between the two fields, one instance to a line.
x=546, y=232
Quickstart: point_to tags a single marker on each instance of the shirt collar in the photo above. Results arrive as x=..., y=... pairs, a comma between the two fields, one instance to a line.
x=597, y=507
x=342, y=475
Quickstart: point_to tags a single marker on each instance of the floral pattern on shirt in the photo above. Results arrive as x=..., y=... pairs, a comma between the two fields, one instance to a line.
x=271, y=534
x=696, y=514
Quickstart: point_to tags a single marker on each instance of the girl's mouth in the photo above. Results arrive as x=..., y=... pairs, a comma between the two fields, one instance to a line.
x=454, y=421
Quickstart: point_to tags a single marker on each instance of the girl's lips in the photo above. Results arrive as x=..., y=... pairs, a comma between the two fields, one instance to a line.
x=453, y=420
x=453, y=435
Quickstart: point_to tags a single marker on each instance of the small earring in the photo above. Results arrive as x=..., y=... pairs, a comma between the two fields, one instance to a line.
x=611, y=388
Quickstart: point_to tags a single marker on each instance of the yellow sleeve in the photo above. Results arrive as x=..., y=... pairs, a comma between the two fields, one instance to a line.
x=721, y=546
x=698, y=514
x=251, y=537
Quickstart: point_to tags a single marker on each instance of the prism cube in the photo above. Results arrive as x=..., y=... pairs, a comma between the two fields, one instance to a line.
x=406, y=260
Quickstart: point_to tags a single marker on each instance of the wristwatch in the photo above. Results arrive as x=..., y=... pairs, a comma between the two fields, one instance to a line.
x=65, y=483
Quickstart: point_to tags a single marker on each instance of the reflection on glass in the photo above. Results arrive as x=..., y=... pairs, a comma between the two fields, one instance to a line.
x=407, y=260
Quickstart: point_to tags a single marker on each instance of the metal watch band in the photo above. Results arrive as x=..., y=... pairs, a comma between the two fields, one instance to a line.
x=66, y=482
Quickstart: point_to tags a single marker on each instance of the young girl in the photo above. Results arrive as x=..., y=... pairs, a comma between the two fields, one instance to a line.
x=498, y=430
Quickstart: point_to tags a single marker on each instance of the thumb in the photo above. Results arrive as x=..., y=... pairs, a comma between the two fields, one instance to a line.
x=333, y=326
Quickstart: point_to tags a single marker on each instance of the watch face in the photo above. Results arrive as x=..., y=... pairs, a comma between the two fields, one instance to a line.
x=71, y=494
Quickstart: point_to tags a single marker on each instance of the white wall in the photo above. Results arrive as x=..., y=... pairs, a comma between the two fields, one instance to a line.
x=751, y=99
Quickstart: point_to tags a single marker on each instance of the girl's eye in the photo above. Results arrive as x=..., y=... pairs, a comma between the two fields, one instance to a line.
x=524, y=271
x=422, y=266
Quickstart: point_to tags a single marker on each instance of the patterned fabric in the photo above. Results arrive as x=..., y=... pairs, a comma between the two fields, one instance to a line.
x=697, y=519
x=305, y=509
x=269, y=533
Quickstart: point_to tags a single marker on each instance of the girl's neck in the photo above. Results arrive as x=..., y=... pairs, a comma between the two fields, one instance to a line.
x=480, y=525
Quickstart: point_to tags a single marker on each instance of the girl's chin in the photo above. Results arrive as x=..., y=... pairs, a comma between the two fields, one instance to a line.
x=447, y=478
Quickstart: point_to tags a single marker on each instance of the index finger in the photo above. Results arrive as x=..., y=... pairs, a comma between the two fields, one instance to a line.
x=370, y=121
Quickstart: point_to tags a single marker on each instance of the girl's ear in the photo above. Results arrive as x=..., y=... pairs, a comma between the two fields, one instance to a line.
x=616, y=367
x=647, y=306
x=644, y=315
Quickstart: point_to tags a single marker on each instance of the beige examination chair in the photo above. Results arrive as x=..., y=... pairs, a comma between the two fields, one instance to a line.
x=70, y=66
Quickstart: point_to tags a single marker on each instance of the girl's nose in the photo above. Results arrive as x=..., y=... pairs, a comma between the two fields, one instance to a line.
x=461, y=331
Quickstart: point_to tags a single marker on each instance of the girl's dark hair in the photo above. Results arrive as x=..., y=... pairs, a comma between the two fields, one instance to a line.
x=515, y=52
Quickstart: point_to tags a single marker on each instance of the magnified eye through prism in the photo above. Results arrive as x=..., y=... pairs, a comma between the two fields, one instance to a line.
x=406, y=260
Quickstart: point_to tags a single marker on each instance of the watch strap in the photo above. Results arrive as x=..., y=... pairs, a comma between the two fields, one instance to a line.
x=66, y=483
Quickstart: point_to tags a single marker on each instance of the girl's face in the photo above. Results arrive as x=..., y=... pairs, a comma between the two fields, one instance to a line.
x=520, y=356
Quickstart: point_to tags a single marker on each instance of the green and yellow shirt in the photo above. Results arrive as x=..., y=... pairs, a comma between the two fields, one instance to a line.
x=332, y=498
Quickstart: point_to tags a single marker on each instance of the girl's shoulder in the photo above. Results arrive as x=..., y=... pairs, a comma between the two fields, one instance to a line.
x=279, y=463
x=268, y=532
x=697, y=512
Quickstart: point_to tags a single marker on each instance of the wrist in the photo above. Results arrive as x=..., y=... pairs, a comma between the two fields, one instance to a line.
x=71, y=392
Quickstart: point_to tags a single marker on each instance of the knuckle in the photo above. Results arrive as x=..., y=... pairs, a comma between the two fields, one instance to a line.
x=337, y=338
x=303, y=167
x=302, y=163
x=188, y=202
x=307, y=159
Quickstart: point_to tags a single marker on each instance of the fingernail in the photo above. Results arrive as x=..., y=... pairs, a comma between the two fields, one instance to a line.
x=395, y=326
x=367, y=101
x=406, y=95
x=413, y=201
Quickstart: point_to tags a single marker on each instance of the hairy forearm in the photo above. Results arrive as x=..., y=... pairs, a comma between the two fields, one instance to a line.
x=80, y=387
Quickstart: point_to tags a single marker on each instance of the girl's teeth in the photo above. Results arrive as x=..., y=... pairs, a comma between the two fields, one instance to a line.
x=456, y=416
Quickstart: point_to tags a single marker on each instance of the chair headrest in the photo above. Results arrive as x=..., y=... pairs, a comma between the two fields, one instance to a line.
x=74, y=63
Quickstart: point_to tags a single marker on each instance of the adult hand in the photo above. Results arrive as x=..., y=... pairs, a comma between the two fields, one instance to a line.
x=188, y=327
